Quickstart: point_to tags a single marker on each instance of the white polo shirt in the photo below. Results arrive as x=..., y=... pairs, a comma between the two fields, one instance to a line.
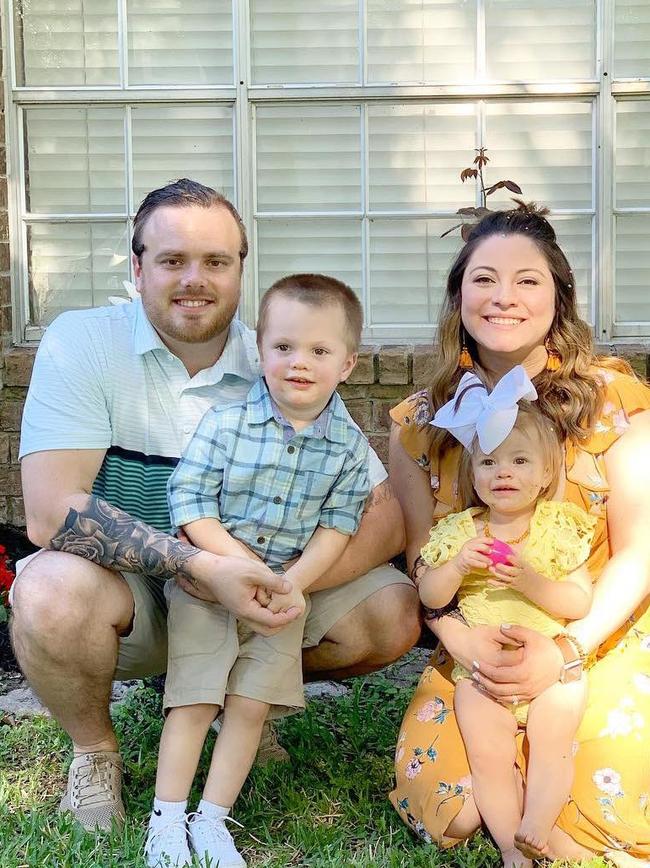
x=103, y=379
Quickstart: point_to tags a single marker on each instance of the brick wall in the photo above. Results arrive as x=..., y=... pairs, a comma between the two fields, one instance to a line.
x=382, y=377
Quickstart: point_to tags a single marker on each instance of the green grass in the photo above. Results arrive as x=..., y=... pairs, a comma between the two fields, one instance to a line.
x=328, y=808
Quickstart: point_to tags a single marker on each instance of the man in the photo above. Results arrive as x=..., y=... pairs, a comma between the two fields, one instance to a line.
x=115, y=396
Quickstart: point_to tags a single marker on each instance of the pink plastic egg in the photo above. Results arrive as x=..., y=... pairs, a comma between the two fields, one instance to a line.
x=500, y=552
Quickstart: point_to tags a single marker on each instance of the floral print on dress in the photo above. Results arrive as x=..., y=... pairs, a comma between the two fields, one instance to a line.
x=624, y=720
x=434, y=710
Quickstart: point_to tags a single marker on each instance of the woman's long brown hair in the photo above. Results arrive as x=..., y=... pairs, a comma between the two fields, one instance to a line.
x=570, y=397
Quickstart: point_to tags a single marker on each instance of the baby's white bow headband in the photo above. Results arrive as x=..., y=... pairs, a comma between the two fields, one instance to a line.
x=490, y=415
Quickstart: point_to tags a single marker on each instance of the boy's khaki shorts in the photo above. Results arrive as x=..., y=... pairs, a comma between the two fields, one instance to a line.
x=144, y=651
x=211, y=655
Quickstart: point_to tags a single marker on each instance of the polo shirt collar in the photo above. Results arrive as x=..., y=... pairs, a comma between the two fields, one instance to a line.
x=239, y=356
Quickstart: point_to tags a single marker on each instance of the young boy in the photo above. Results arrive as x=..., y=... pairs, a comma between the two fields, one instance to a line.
x=282, y=478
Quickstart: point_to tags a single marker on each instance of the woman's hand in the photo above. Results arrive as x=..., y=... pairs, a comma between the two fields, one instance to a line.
x=539, y=666
x=482, y=645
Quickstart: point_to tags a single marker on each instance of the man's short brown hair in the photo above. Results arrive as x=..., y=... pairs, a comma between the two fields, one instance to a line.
x=318, y=290
x=184, y=193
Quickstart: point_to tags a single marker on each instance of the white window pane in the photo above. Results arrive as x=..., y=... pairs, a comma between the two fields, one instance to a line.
x=416, y=155
x=421, y=41
x=575, y=237
x=632, y=39
x=409, y=262
x=528, y=40
x=75, y=160
x=546, y=148
x=633, y=153
x=66, y=42
x=180, y=42
x=309, y=158
x=74, y=266
x=182, y=142
x=309, y=245
x=632, y=273
x=294, y=42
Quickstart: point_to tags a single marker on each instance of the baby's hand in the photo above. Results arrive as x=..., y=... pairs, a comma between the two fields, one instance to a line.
x=473, y=555
x=516, y=573
x=295, y=599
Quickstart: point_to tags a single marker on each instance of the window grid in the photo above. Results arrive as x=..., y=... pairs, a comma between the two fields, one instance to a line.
x=244, y=99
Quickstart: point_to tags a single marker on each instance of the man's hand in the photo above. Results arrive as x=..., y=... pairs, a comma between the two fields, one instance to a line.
x=233, y=582
x=294, y=600
x=539, y=666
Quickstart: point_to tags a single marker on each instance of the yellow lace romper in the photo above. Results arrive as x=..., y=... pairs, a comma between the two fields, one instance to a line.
x=609, y=805
x=559, y=541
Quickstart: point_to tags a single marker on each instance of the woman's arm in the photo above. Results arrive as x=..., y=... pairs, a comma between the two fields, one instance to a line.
x=625, y=581
x=412, y=486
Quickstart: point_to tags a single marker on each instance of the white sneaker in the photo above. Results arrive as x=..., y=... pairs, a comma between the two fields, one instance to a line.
x=210, y=839
x=166, y=847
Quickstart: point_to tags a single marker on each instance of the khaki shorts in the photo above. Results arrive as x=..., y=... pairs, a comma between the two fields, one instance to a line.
x=144, y=651
x=211, y=655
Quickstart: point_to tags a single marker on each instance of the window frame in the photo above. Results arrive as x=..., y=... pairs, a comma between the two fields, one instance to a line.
x=602, y=90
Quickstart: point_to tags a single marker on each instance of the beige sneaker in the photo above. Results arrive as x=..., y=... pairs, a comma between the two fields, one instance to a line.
x=270, y=749
x=94, y=794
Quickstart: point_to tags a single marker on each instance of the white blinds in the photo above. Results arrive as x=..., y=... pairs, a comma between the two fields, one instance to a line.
x=296, y=42
x=75, y=265
x=632, y=273
x=416, y=154
x=66, y=42
x=180, y=42
x=527, y=40
x=545, y=147
x=632, y=38
x=633, y=154
x=75, y=160
x=418, y=41
x=308, y=158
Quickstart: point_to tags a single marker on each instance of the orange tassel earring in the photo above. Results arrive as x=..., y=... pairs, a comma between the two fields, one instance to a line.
x=554, y=360
x=465, y=360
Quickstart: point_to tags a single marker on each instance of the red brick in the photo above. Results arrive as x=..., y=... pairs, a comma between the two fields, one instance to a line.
x=394, y=365
x=10, y=415
x=5, y=259
x=4, y=449
x=348, y=392
x=18, y=366
x=422, y=366
x=364, y=370
x=361, y=412
x=381, y=420
x=393, y=393
x=16, y=515
x=5, y=290
x=14, y=447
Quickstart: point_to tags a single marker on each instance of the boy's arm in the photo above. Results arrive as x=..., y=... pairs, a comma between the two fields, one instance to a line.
x=211, y=536
x=570, y=598
x=324, y=548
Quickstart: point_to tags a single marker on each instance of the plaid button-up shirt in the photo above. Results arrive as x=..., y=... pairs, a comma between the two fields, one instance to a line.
x=268, y=491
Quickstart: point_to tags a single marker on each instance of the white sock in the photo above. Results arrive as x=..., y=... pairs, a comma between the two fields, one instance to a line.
x=212, y=811
x=163, y=812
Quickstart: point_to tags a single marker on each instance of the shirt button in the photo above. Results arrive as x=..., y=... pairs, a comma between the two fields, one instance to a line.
x=291, y=449
x=277, y=499
x=261, y=540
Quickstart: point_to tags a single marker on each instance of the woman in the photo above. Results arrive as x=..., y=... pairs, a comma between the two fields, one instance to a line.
x=511, y=300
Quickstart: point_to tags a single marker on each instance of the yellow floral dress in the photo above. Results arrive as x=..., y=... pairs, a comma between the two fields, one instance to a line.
x=609, y=806
x=559, y=541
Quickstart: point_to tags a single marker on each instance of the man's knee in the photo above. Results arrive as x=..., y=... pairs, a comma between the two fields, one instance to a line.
x=392, y=622
x=57, y=593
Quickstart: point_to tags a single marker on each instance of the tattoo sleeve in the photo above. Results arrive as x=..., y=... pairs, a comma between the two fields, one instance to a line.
x=112, y=538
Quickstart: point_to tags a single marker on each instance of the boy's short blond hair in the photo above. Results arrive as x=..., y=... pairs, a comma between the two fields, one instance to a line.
x=318, y=290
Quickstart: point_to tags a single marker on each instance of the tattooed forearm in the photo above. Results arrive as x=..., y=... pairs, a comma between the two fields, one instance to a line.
x=112, y=538
x=451, y=610
x=379, y=494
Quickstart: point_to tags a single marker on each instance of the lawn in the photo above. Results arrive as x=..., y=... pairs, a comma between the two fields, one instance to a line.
x=328, y=808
